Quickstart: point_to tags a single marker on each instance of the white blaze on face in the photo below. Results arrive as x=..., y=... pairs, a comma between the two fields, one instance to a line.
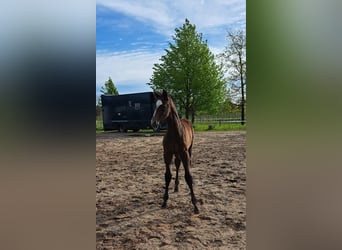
x=158, y=103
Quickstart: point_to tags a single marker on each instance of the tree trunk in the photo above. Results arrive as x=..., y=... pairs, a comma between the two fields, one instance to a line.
x=187, y=111
x=242, y=93
x=193, y=117
x=242, y=103
x=242, y=112
x=187, y=104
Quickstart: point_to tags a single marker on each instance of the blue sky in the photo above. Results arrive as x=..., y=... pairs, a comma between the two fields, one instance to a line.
x=131, y=36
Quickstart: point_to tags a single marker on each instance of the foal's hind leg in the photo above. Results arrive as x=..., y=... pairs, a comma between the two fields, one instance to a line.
x=188, y=178
x=167, y=159
x=177, y=163
x=190, y=154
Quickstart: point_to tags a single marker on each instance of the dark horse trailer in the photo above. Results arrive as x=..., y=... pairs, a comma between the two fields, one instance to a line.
x=127, y=112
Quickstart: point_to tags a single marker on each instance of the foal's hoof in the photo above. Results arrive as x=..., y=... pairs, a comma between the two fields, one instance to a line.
x=164, y=205
x=196, y=211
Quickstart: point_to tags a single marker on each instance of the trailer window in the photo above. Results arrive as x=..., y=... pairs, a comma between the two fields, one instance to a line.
x=119, y=109
x=136, y=106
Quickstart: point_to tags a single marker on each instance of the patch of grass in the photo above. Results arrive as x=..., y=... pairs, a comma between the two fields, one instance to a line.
x=197, y=126
x=218, y=127
x=99, y=126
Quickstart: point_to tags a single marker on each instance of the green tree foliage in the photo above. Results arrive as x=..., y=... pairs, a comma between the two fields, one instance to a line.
x=109, y=88
x=98, y=111
x=228, y=105
x=189, y=73
x=234, y=61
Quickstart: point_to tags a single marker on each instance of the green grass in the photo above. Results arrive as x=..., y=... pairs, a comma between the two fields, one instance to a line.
x=199, y=127
x=99, y=126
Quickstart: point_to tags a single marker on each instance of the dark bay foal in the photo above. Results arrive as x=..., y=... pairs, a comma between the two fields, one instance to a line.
x=177, y=141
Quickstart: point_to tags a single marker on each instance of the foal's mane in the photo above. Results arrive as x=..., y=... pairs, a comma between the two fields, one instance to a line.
x=181, y=126
x=173, y=107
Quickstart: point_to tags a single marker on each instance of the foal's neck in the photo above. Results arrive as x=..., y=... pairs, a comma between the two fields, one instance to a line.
x=173, y=121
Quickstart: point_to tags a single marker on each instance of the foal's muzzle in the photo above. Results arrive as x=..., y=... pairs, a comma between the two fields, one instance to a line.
x=154, y=124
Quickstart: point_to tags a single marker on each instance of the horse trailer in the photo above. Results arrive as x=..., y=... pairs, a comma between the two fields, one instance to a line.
x=128, y=112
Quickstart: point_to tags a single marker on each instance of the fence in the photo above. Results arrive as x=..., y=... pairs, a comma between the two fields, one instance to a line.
x=223, y=118
x=234, y=117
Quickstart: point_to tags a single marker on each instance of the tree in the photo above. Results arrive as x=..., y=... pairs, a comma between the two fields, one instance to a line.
x=98, y=111
x=109, y=88
x=228, y=105
x=234, y=61
x=189, y=73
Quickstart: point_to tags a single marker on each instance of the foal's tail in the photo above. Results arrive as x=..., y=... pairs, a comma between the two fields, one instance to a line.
x=192, y=142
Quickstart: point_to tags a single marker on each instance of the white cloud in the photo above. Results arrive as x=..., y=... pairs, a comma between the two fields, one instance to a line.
x=154, y=12
x=125, y=68
x=164, y=16
x=133, y=69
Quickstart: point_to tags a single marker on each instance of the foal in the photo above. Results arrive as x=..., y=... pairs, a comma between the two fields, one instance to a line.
x=177, y=141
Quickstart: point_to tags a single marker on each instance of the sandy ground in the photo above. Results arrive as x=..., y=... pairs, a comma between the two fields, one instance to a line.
x=130, y=185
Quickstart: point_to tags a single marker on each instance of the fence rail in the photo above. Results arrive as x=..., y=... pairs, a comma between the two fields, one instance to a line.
x=219, y=120
x=223, y=118
x=233, y=117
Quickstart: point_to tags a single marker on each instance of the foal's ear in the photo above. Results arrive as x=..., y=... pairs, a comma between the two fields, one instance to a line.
x=164, y=95
x=157, y=95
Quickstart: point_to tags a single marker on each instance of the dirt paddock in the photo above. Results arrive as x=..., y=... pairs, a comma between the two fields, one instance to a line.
x=130, y=185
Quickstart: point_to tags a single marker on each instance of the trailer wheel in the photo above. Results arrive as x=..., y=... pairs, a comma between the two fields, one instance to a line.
x=156, y=129
x=122, y=129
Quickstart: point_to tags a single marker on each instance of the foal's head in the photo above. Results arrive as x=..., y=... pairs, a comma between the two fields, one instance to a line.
x=163, y=109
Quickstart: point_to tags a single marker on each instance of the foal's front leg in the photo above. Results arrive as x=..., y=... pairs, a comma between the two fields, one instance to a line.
x=177, y=163
x=168, y=176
